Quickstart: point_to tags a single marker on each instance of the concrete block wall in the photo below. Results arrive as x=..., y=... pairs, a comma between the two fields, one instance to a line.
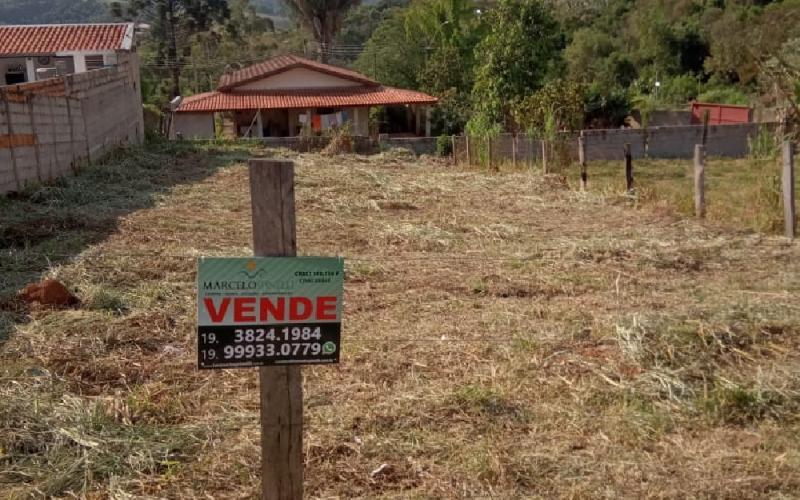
x=673, y=142
x=610, y=144
x=729, y=141
x=50, y=128
x=417, y=145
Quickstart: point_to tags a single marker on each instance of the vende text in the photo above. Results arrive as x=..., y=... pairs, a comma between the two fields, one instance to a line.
x=265, y=309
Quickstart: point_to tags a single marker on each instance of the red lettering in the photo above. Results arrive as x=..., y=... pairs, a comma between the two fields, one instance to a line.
x=278, y=311
x=294, y=308
x=244, y=309
x=216, y=315
x=326, y=308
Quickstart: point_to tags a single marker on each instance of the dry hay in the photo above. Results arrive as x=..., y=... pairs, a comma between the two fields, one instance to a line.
x=504, y=337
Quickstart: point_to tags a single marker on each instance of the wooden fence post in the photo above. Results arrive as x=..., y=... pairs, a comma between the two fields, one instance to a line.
x=582, y=161
x=11, y=152
x=489, y=152
x=272, y=195
x=531, y=156
x=699, y=181
x=514, y=151
x=706, y=119
x=628, y=168
x=544, y=156
x=788, y=190
x=453, y=147
x=469, y=158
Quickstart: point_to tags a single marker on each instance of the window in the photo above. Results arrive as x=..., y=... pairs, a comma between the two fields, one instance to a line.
x=94, y=62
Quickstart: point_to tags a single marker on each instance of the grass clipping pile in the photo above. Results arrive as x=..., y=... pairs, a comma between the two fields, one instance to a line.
x=504, y=336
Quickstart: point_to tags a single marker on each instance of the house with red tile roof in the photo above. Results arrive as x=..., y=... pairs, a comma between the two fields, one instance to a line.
x=288, y=96
x=35, y=52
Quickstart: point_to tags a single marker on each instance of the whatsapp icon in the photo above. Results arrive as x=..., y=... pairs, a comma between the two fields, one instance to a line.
x=328, y=348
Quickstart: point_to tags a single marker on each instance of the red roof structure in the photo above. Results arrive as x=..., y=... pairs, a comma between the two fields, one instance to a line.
x=365, y=92
x=301, y=99
x=280, y=64
x=53, y=38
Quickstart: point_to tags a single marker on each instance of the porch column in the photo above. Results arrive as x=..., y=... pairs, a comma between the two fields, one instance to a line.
x=427, y=121
x=308, y=129
x=30, y=70
x=259, y=125
x=418, y=120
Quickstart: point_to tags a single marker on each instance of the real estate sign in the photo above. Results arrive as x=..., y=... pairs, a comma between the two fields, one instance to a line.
x=268, y=310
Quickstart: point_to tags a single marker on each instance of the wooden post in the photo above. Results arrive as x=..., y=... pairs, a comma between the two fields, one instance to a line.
x=489, y=151
x=628, y=168
x=788, y=190
x=514, y=151
x=706, y=118
x=11, y=149
x=582, y=161
x=699, y=181
x=531, y=158
x=469, y=158
x=272, y=195
x=453, y=148
x=544, y=157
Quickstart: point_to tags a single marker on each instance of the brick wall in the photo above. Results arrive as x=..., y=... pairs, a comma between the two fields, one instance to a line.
x=52, y=127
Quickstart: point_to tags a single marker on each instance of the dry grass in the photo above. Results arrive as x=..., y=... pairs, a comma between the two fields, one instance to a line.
x=743, y=194
x=505, y=337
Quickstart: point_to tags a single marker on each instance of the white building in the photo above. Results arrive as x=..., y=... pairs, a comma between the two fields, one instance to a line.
x=288, y=95
x=35, y=52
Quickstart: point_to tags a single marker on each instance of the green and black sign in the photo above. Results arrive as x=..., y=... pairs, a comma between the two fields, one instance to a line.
x=268, y=310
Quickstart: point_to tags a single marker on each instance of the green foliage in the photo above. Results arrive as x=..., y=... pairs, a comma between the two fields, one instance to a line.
x=520, y=52
x=596, y=57
x=173, y=23
x=678, y=90
x=444, y=145
x=358, y=26
x=606, y=108
x=323, y=18
x=388, y=57
x=765, y=145
x=53, y=11
x=724, y=95
x=557, y=107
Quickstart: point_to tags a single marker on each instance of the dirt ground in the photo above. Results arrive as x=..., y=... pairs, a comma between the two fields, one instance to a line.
x=505, y=336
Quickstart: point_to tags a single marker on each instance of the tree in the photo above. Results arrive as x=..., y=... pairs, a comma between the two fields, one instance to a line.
x=595, y=57
x=388, y=57
x=323, y=18
x=519, y=54
x=172, y=24
x=448, y=30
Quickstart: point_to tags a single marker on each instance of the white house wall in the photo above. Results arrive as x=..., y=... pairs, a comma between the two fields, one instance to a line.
x=299, y=78
x=192, y=125
x=360, y=121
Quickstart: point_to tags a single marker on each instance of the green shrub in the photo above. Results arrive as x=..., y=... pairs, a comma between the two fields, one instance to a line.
x=444, y=145
x=724, y=95
x=764, y=145
x=679, y=90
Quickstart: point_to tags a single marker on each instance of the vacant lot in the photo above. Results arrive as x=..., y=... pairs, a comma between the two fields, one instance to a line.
x=504, y=336
x=741, y=194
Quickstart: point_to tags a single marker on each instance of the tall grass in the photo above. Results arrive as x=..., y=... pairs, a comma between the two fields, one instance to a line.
x=742, y=194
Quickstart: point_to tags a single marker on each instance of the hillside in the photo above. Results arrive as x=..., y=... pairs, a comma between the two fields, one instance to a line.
x=86, y=11
x=53, y=11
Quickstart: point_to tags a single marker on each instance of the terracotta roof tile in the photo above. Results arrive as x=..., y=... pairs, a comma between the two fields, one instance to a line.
x=282, y=63
x=306, y=98
x=50, y=38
